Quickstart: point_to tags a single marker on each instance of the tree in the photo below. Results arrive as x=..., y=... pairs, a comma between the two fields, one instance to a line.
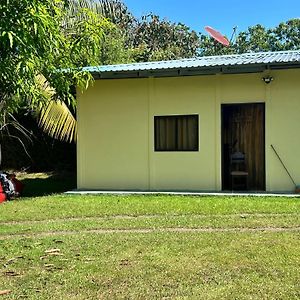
x=57, y=118
x=286, y=36
x=156, y=39
x=114, y=10
x=33, y=43
x=40, y=47
x=149, y=38
x=112, y=48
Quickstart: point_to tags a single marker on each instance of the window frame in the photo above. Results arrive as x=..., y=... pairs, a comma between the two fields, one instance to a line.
x=196, y=149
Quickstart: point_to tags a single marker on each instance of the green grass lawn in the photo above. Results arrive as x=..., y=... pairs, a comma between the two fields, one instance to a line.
x=150, y=247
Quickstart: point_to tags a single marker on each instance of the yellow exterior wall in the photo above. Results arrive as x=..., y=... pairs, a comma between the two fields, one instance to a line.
x=184, y=170
x=283, y=130
x=113, y=135
x=116, y=130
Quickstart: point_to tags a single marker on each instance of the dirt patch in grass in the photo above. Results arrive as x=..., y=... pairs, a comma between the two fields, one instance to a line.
x=152, y=230
x=146, y=217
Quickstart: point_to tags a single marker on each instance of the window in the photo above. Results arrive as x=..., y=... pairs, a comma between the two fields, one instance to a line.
x=176, y=133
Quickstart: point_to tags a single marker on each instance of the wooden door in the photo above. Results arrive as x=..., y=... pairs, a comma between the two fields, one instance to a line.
x=243, y=129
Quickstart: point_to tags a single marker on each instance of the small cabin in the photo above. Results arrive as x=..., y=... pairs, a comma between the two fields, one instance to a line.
x=178, y=125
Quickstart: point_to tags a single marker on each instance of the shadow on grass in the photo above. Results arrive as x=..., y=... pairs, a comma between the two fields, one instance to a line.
x=47, y=185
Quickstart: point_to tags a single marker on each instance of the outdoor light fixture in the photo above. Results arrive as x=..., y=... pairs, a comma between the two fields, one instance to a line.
x=267, y=79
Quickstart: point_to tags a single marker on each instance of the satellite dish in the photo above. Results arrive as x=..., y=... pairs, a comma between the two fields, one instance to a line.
x=216, y=35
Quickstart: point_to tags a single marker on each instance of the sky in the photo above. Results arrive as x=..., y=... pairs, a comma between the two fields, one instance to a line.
x=221, y=15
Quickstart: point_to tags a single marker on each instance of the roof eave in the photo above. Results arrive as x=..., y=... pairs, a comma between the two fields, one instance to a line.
x=196, y=71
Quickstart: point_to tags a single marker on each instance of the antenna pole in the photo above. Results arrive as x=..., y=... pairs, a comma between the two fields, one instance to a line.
x=234, y=29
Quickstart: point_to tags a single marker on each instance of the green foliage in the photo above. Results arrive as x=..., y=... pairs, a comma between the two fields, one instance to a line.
x=38, y=38
x=140, y=40
x=112, y=48
x=156, y=39
x=114, y=10
x=255, y=39
x=286, y=36
x=43, y=45
x=94, y=46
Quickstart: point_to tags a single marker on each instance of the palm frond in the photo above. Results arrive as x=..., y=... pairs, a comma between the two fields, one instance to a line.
x=114, y=10
x=54, y=116
x=108, y=8
x=57, y=120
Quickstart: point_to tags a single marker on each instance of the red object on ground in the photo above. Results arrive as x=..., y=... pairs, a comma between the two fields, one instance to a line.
x=217, y=36
x=2, y=194
x=2, y=197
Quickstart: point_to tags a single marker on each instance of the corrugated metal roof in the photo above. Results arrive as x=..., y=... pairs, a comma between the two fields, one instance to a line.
x=280, y=58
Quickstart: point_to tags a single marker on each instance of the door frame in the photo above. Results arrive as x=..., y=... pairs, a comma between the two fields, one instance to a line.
x=223, y=105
